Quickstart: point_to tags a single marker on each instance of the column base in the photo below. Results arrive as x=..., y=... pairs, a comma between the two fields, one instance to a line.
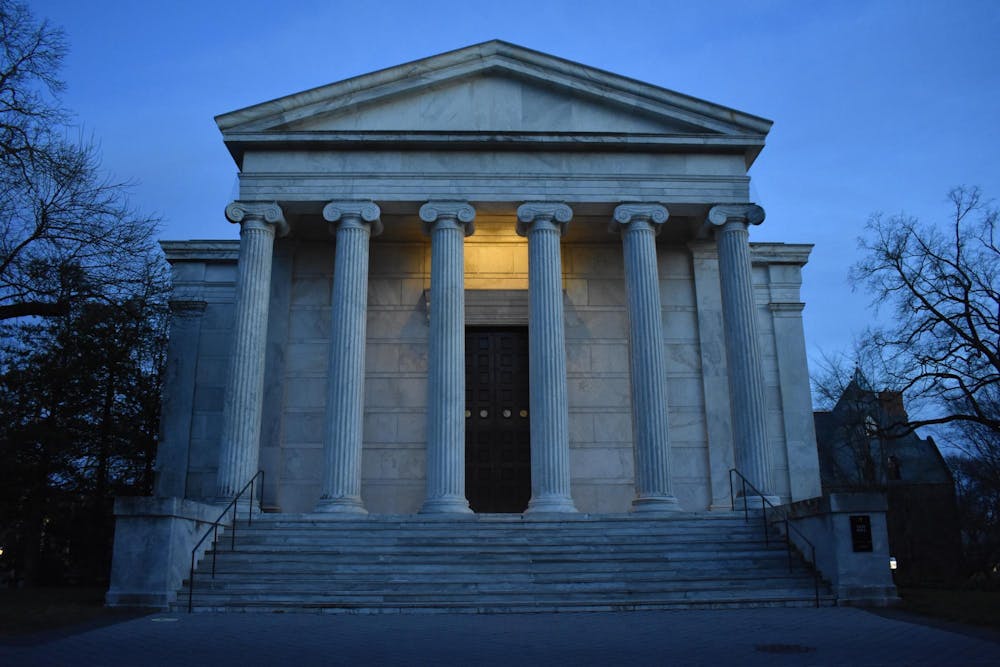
x=446, y=505
x=650, y=504
x=721, y=507
x=550, y=504
x=349, y=507
x=241, y=506
x=753, y=501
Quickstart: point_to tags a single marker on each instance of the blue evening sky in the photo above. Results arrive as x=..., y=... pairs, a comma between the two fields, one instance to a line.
x=878, y=106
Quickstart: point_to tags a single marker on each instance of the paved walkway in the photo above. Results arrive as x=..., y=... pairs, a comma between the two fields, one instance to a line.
x=773, y=637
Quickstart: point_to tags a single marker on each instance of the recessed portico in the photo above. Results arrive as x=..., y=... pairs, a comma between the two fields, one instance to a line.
x=442, y=303
x=482, y=193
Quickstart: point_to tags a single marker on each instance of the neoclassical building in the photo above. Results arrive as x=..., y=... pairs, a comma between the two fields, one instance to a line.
x=489, y=281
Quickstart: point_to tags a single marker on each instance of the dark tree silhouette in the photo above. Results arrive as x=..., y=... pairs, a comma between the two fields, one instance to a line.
x=942, y=287
x=80, y=398
x=83, y=292
x=58, y=214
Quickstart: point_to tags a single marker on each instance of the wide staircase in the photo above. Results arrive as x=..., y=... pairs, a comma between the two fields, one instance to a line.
x=500, y=563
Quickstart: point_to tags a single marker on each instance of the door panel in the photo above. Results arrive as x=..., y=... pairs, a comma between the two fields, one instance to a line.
x=497, y=423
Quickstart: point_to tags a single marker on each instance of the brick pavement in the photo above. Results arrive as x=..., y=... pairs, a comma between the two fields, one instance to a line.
x=774, y=637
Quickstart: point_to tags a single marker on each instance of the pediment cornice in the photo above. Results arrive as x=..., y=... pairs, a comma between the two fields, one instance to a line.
x=673, y=119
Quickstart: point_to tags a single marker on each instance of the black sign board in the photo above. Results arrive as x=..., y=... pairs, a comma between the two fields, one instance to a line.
x=861, y=532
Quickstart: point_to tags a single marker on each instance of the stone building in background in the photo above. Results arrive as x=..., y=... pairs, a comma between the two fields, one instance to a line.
x=864, y=445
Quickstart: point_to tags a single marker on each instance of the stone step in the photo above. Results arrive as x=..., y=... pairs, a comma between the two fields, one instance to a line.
x=376, y=529
x=537, y=552
x=349, y=528
x=303, y=567
x=503, y=603
x=498, y=564
x=475, y=537
x=563, y=521
x=360, y=567
x=512, y=532
x=717, y=537
x=442, y=572
x=551, y=545
x=510, y=563
x=307, y=599
x=290, y=584
x=608, y=605
x=638, y=578
x=559, y=519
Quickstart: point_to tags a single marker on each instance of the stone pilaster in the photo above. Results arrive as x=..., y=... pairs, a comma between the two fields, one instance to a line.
x=447, y=223
x=639, y=224
x=746, y=376
x=543, y=224
x=178, y=397
x=239, y=448
x=714, y=370
x=355, y=222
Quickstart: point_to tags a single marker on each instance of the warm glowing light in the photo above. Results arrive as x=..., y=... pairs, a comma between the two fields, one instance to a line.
x=892, y=562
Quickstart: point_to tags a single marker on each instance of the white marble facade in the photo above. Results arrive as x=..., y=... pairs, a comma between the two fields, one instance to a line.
x=489, y=186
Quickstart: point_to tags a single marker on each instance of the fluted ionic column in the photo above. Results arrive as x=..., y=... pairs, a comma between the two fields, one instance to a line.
x=639, y=224
x=746, y=376
x=239, y=447
x=543, y=224
x=355, y=222
x=447, y=223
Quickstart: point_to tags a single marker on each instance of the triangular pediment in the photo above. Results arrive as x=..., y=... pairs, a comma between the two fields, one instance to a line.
x=493, y=101
x=492, y=88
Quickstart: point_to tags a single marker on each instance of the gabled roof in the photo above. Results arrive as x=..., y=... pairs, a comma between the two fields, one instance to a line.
x=842, y=436
x=494, y=92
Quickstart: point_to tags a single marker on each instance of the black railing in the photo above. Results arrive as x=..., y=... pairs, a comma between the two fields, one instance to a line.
x=214, y=530
x=765, y=504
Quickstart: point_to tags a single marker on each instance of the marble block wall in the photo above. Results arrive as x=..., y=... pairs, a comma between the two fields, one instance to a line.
x=218, y=288
x=394, y=458
x=303, y=403
x=601, y=454
x=600, y=418
x=685, y=395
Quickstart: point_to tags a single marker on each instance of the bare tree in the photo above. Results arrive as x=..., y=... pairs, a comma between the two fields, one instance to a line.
x=942, y=285
x=83, y=293
x=67, y=232
x=30, y=56
x=833, y=372
x=937, y=288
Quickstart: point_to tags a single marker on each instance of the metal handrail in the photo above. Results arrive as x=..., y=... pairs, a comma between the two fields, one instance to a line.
x=214, y=531
x=764, y=504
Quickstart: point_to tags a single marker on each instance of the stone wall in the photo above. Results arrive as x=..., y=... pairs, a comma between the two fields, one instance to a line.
x=600, y=435
x=203, y=273
x=601, y=455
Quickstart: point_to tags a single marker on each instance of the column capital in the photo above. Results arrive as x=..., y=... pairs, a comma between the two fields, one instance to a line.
x=356, y=211
x=555, y=213
x=460, y=212
x=748, y=214
x=264, y=211
x=652, y=214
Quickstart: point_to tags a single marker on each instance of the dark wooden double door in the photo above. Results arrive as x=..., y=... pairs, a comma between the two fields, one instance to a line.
x=497, y=420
